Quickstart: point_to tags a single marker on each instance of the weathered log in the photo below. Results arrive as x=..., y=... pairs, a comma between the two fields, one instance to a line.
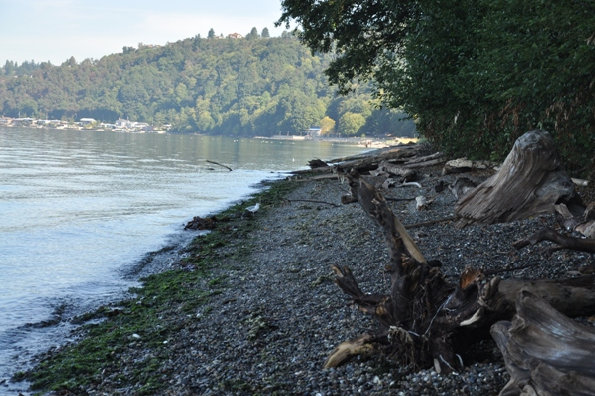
x=563, y=241
x=394, y=152
x=545, y=352
x=201, y=223
x=317, y=163
x=220, y=164
x=461, y=165
x=496, y=298
x=582, y=220
x=461, y=187
x=530, y=182
x=315, y=171
x=424, y=164
x=404, y=174
x=426, y=320
x=418, y=292
x=371, y=161
x=395, y=233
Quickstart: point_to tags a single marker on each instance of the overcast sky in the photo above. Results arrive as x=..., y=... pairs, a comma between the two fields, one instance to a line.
x=55, y=30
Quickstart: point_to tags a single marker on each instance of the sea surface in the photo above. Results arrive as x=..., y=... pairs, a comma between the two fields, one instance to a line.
x=80, y=211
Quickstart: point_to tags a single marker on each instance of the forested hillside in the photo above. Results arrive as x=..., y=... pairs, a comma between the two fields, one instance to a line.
x=247, y=86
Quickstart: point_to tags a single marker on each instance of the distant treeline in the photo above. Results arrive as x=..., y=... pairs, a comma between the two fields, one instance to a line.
x=255, y=85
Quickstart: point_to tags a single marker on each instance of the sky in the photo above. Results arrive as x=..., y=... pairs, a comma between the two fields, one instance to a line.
x=55, y=30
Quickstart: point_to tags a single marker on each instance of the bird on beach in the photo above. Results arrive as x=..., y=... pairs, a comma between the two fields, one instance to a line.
x=250, y=210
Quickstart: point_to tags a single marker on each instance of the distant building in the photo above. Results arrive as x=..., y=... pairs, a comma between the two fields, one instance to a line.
x=124, y=124
x=235, y=36
x=87, y=121
x=314, y=131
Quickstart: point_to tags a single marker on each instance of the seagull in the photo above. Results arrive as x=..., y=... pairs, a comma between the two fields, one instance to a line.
x=250, y=210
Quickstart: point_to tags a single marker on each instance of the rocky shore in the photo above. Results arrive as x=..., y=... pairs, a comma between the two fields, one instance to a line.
x=252, y=308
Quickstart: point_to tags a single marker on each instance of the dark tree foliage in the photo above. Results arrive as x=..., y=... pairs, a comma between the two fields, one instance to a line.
x=259, y=86
x=475, y=74
x=363, y=34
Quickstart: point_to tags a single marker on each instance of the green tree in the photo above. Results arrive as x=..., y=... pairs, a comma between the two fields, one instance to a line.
x=9, y=68
x=327, y=125
x=350, y=124
x=265, y=33
x=28, y=108
x=253, y=35
x=211, y=34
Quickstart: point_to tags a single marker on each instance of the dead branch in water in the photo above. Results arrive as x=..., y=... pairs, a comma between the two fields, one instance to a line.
x=217, y=163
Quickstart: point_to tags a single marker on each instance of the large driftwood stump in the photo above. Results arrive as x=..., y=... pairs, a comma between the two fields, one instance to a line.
x=530, y=182
x=425, y=320
x=545, y=352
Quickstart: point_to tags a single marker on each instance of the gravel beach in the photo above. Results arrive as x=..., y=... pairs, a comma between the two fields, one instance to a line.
x=275, y=313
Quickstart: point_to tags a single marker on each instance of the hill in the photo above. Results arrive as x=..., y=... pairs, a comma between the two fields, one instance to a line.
x=240, y=87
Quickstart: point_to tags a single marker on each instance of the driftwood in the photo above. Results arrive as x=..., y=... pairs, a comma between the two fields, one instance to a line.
x=370, y=162
x=425, y=163
x=529, y=182
x=563, y=241
x=461, y=187
x=426, y=158
x=317, y=163
x=395, y=152
x=461, y=165
x=221, y=165
x=582, y=222
x=427, y=321
x=404, y=174
x=393, y=163
x=201, y=223
x=545, y=352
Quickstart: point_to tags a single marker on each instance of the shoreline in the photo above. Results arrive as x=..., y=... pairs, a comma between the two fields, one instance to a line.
x=66, y=319
x=367, y=142
x=253, y=308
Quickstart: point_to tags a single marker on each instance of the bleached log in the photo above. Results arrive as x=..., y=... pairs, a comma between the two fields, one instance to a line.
x=396, y=170
x=425, y=164
x=461, y=165
x=530, y=182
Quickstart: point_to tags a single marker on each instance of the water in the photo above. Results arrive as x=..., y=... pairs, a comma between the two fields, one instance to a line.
x=80, y=209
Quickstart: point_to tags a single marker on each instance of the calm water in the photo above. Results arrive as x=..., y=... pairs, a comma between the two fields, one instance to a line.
x=79, y=210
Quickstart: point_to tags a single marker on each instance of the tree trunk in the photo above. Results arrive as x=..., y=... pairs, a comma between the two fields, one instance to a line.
x=529, y=183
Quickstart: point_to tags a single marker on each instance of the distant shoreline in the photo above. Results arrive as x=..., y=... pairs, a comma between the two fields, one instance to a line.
x=358, y=141
x=32, y=123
